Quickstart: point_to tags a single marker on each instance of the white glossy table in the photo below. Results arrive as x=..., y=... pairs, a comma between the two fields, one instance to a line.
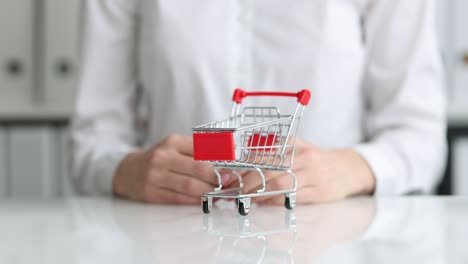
x=361, y=230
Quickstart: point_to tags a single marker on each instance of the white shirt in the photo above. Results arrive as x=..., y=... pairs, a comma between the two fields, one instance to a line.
x=372, y=66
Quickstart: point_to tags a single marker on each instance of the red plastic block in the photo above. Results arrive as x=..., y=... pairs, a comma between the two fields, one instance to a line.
x=214, y=146
x=262, y=141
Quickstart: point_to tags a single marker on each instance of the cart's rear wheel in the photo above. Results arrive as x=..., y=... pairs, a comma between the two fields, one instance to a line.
x=206, y=208
x=243, y=210
x=289, y=204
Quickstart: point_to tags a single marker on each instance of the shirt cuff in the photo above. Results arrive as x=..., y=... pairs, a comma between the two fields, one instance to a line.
x=106, y=168
x=384, y=172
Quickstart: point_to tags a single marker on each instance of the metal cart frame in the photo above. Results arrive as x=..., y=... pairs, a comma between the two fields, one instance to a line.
x=253, y=138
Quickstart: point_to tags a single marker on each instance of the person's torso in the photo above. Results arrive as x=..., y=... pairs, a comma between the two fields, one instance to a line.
x=193, y=55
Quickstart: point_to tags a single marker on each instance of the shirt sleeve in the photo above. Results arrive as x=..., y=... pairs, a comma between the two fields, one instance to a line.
x=103, y=126
x=405, y=122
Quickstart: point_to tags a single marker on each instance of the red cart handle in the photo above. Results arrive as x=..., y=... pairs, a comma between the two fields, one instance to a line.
x=302, y=96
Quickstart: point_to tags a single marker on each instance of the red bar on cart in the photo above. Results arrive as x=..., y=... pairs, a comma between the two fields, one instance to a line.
x=214, y=146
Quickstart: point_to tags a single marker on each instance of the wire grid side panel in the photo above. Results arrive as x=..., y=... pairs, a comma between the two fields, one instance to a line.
x=266, y=145
x=256, y=115
x=270, y=145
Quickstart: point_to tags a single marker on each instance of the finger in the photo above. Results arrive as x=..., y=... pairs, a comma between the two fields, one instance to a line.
x=274, y=181
x=283, y=181
x=165, y=196
x=185, y=184
x=182, y=144
x=185, y=146
x=302, y=144
x=232, y=181
x=252, y=180
x=186, y=165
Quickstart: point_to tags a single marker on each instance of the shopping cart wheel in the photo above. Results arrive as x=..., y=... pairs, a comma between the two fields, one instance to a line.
x=290, y=201
x=244, y=206
x=206, y=205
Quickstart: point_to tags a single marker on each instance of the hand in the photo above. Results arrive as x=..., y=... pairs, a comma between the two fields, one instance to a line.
x=166, y=174
x=322, y=176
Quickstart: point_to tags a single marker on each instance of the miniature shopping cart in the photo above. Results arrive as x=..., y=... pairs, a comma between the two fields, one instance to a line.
x=252, y=138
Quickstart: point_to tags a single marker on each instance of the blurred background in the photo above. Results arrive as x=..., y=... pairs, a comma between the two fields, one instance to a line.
x=39, y=70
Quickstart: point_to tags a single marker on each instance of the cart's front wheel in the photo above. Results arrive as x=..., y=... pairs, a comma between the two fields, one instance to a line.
x=243, y=208
x=206, y=207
